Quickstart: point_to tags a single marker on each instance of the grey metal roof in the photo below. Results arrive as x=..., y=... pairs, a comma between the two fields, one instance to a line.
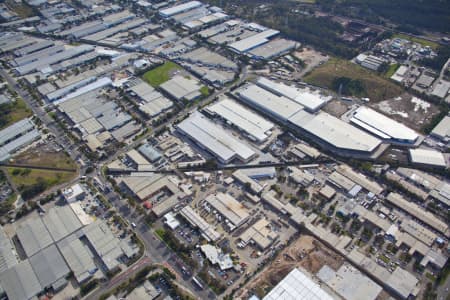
x=49, y=266
x=34, y=236
x=78, y=257
x=14, y=130
x=20, y=282
x=7, y=257
x=60, y=222
x=149, y=152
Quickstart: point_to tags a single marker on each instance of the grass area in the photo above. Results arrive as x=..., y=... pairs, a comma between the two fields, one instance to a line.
x=391, y=70
x=423, y=42
x=205, y=91
x=430, y=276
x=39, y=158
x=371, y=85
x=12, y=112
x=23, y=177
x=160, y=74
x=20, y=8
x=384, y=258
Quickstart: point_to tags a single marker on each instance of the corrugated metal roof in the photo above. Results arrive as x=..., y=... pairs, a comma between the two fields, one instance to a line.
x=34, y=236
x=49, y=266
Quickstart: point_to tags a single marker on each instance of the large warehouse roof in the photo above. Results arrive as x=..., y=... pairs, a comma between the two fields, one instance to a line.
x=61, y=221
x=14, y=130
x=207, y=230
x=168, y=12
x=427, y=157
x=20, y=282
x=382, y=126
x=229, y=207
x=243, y=118
x=7, y=257
x=278, y=107
x=253, y=41
x=442, y=130
x=49, y=266
x=297, y=286
x=335, y=132
x=310, y=101
x=34, y=236
x=215, y=139
x=78, y=257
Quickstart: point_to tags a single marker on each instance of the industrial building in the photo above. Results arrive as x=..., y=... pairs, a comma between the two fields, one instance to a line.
x=384, y=128
x=336, y=135
x=442, y=130
x=177, y=9
x=253, y=126
x=297, y=286
x=369, y=61
x=150, y=153
x=61, y=222
x=206, y=229
x=162, y=191
x=33, y=236
x=311, y=102
x=217, y=257
x=273, y=48
x=20, y=282
x=152, y=103
x=247, y=44
x=7, y=252
x=349, y=283
x=427, y=157
x=244, y=179
x=17, y=136
x=260, y=234
x=235, y=213
x=181, y=88
x=215, y=139
x=278, y=107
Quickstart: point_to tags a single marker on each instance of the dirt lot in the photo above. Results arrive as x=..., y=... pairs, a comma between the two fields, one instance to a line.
x=337, y=108
x=311, y=58
x=306, y=252
x=409, y=110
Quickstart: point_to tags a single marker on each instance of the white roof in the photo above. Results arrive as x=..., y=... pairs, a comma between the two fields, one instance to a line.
x=243, y=118
x=278, y=106
x=254, y=40
x=229, y=207
x=427, y=157
x=297, y=286
x=442, y=130
x=335, y=131
x=382, y=126
x=311, y=101
x=180, y=8
x=215, y=256
x=215, y=138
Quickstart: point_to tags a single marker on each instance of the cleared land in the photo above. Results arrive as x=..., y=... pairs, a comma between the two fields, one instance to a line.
x=21, y=9
x=13, y=112
x=161, y=74
x=306, y=252
x=31, y=182
x=375, y=87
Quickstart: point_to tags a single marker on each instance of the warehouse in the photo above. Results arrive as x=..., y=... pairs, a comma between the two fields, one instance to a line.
x=278, y=107
x=149, y=152
x=442, y=130
x=215, y=139
x=152, y=102
x=256, y=127
x=29, y=58
x=349, y=283
x=311, y=102
x=181, y=88
x=369, y=61
x=253, y=41
x=61, y=222
x=33, y=236
x=12, y=41
x=418, y=212
x=34, y=47
x=244, y=179
x=383, y=127
x=233, y=211
x=273, y=49
x=206, y=229
x=296, y=285
x=105, y=245
x=335, y=134
x=260, y=234
x=171, y=11
x=84, y=29
x=7, y=252
x=50, y=268
x=78, y=257
x=20, y=282
x=17, y=136
x=427, y=157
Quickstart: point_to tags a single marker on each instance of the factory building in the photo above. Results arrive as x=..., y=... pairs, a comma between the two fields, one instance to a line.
x=16, y=136
x=234, y=213
x=384, y=128
x=178, y=9
x=215, y=139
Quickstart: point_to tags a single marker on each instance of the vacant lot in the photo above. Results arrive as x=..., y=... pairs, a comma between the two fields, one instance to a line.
x=32, y=182
x=13, y=112
x=306, y=253
x=374, y=87
x=161, y=74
